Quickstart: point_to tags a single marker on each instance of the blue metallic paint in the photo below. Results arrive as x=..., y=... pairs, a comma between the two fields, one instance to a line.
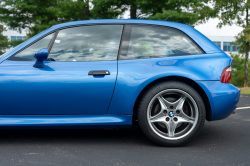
x=19, y=81
x=63, y=121
x=223, y=98
x=41, y=56
x=141, y=72
x=61, y=88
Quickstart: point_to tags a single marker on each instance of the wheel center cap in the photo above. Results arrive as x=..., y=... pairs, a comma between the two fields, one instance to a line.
x=171, y=114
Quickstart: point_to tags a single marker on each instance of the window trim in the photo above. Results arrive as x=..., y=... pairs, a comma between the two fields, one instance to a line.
x=127, y=33
x=51, y=43
x=90, y=25
x=56, y=31
x=120, y=44
x=34, y=43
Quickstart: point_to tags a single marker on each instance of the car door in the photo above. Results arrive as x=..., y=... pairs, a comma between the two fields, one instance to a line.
x=79, y=76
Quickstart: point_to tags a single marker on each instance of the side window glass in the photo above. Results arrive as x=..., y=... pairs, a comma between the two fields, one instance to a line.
x=152, y=42
x=28, y=53
x=87, y=43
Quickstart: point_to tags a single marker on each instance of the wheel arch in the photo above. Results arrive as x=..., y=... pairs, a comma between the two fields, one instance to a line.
x=188, y=81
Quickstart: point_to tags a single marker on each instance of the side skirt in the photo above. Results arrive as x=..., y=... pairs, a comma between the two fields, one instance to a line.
x=65, y=121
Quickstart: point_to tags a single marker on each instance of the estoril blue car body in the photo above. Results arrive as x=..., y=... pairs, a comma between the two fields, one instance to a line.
x=107, y=73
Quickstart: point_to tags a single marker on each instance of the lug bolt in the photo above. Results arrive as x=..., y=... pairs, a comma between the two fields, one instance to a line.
x=167, y=119
x=165, y=111
x=178, y=112
x=171, y=107
x=175, y=119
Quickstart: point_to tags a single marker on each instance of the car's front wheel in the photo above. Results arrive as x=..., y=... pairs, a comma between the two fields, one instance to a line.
x=171, y=113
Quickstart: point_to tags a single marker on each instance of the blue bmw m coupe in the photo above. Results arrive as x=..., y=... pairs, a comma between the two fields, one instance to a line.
x=110, y=73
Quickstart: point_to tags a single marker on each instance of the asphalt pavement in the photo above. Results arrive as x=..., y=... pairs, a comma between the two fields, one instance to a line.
x=224, y=142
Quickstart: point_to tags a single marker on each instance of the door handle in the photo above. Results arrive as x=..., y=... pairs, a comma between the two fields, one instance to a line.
x=99, y=72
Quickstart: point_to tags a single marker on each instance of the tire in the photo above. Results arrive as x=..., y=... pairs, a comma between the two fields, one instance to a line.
x=171, y=113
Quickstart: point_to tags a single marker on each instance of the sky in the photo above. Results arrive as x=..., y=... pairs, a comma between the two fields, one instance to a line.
x=210, y=29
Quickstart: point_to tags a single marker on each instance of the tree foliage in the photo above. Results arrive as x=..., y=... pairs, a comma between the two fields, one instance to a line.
x=106, y=9
x=3, y=41
x=38, y=15
x=232, y=12
x=238, y=70
x=180, y=10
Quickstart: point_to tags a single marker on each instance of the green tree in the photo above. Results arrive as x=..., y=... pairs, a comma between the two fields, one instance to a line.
x=14, y=43
x=105, y=9
x=38, y=15
x=180, y=11
x=238, y=70
x=3, y=41
x=232, y=12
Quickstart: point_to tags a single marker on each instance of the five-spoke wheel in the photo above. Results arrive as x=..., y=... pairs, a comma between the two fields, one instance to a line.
x=171, y=112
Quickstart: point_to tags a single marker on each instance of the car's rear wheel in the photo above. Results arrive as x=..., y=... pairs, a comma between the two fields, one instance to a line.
x=171, y=113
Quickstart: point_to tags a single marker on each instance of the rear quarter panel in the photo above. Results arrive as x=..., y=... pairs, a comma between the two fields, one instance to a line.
x=134, y=75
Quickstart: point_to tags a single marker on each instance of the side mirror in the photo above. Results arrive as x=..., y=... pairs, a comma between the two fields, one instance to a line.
x=41, y=56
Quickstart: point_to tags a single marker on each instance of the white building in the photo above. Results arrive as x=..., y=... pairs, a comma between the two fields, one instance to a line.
x=224, y=42
x=14, y=35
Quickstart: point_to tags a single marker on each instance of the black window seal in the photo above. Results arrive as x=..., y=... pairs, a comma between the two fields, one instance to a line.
x=127, y=32
x=80, y=25
x=120, y=45
x=124, y=43
x=52, y=41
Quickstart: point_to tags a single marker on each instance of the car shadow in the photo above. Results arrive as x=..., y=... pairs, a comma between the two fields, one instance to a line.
x=209, y=136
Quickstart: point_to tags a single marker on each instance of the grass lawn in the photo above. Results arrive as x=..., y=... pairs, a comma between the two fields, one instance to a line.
x=245, y=91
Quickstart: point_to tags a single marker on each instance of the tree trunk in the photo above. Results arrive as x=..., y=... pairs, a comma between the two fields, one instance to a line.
x=86, y=13
x=1, y=29
x=133, y=9
x=247, y=54
x=246, y=65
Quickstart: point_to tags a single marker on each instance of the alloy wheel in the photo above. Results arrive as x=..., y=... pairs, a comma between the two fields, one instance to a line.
x=172, y=114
